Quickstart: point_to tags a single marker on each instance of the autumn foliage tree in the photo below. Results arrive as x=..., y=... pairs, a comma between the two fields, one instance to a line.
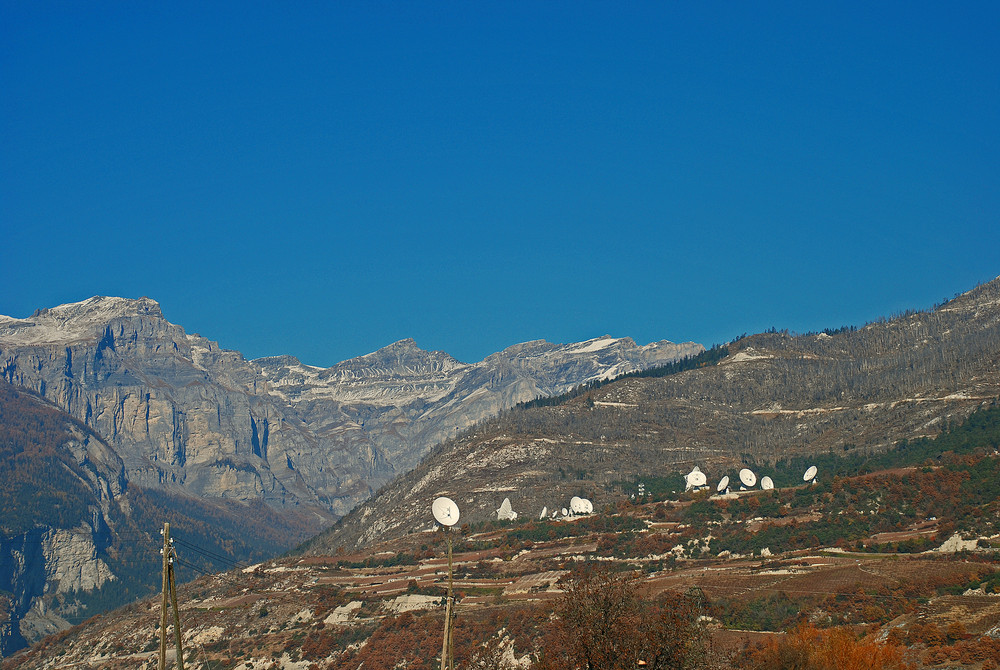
x=603, y=622
x=809, y=648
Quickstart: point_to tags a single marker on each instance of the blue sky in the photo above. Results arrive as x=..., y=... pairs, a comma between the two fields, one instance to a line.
x=322, y=179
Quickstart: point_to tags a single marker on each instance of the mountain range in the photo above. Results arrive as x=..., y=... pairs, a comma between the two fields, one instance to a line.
x=269, y=450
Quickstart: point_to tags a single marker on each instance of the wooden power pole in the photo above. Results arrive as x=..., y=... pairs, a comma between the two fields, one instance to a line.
x=169, y=598
x=447, y=653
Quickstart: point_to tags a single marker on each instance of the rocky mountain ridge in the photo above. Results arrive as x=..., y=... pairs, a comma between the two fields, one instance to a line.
x=185, y=414
x=773, y=396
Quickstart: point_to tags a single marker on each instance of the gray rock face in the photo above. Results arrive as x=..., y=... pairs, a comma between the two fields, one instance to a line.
x=38, y=559
x=185, y=414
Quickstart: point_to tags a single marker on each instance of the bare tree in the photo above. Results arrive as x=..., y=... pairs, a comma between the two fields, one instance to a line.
x=604, y=623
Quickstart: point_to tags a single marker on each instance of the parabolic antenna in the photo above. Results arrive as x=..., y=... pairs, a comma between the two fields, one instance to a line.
x=445, y=511
x=748, y=477
x=588, y=507
x=564, y=512
x=545, y=510
x=506, y=513
x=810, y=474
x=696, y=478
x=723, y=484
x=577, y=505
x=766, y=483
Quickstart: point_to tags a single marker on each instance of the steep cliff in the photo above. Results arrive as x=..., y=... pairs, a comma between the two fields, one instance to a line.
x=60, y=488
x=77, y=538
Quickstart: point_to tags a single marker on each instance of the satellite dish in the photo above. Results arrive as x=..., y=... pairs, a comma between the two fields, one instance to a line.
x=723, y=484
x=545, y=510
x=506, y=513
x=587, y=506
x=810, y=474
x=695, y=479
x=577, y=505
x=766, y=483
x=748, y=477
x=445, y=511
x=564, y=512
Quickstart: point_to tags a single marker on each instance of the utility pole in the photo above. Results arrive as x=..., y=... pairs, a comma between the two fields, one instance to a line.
x=447, y=652
x=169, y=596
x=446, y=513
x=166, y=594
x=447, y=655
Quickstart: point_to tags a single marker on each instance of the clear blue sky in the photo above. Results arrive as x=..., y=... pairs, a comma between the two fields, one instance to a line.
x=322, y=179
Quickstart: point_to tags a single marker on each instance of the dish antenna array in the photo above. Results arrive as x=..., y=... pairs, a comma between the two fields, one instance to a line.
x=766, y=483
x=748, y=478
x=446, y=513
x=579, y=505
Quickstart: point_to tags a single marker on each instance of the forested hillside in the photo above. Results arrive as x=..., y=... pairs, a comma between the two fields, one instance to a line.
x=772, y=396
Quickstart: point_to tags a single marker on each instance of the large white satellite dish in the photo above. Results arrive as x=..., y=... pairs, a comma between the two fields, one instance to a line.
x=810, y=474
x=695, y=479
x=748, y=477
x=766, y=483
x=445, y=511
x=577, y=505
x=723, y=484
x=588, y=507
x=506, y=513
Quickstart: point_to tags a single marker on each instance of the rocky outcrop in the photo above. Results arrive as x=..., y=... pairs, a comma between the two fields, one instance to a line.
x=39, y=564
x=71, y=560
